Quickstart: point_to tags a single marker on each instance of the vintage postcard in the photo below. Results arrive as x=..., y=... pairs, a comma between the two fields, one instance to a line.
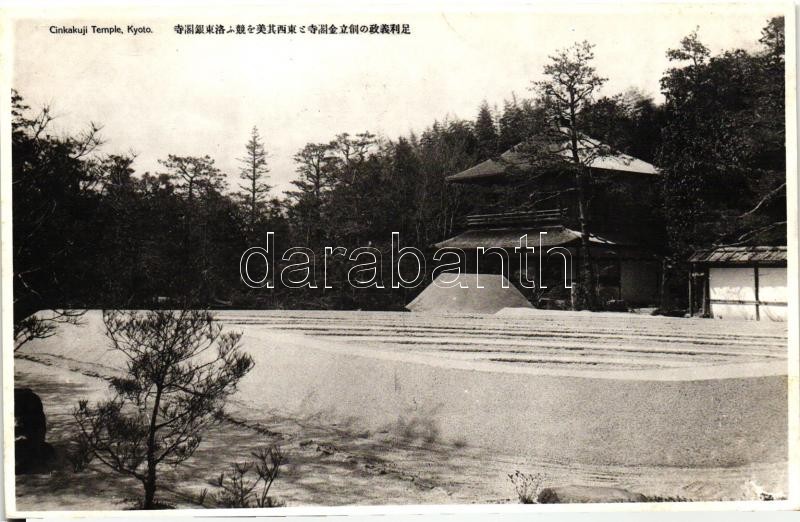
x=288, y=259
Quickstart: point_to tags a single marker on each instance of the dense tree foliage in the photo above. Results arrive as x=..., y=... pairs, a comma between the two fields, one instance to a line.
x=723, y=152
x=55, y=203
x=486, y=133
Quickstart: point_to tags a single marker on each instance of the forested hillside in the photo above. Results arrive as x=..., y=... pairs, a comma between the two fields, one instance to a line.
x=90, y=231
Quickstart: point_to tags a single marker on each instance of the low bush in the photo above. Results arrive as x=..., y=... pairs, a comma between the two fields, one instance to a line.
x=248, y=483
x=527, y=486
x=80, y=455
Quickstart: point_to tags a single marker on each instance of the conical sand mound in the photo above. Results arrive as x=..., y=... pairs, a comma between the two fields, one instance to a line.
x=487, y=300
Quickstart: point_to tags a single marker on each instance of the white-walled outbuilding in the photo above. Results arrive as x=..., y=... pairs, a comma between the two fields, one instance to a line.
x=740, y=283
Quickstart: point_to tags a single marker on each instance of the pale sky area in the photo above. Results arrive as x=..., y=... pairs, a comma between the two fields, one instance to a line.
x=201, y=94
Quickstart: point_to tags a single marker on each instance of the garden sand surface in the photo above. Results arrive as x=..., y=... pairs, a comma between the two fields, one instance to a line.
x=404, y=408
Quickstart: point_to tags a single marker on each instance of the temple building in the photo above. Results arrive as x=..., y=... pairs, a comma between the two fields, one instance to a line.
x=517, y=198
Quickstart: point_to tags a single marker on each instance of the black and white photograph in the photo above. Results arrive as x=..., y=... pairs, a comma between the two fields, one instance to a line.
x=281, y=257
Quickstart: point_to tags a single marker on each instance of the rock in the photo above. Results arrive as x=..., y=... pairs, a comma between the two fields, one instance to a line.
x=31, y=451
x=616, y=305
x=587, y=494
x=29, y=420
x=32, y=458
x=326, y=449
x=669, y=312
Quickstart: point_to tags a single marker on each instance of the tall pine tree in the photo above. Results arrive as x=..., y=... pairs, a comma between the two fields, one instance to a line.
x=485, y=133
x=254, y=191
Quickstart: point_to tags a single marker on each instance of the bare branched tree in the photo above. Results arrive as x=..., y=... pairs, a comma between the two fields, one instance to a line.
x=43, y=325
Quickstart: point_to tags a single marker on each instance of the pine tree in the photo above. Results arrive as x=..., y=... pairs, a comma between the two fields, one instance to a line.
x=315, y=170
x=194, y=173
x=181, y=370
x=486, y=133
x=566, y=93
x=255, y=191
x=510, y=125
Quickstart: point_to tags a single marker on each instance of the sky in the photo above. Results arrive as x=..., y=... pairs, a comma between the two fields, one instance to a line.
x=164, y=93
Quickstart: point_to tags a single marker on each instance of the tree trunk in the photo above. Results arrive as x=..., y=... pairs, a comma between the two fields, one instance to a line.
x=150, y=489
x=254, y=189
x=150, y=478
x=587, y=297
x=662, y=290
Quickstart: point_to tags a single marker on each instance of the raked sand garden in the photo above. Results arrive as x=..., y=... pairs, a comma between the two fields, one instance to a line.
x=436, y=409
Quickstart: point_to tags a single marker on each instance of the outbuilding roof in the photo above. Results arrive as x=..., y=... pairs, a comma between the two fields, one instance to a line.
x=740, y=255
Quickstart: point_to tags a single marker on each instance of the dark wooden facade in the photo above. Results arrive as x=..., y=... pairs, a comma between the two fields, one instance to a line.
x=624, y=215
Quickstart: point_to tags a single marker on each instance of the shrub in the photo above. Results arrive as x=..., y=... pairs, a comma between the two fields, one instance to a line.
x=242, y=489
x=664, y=498
x=527, y=486
x=201, y=497
x=81, y=455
